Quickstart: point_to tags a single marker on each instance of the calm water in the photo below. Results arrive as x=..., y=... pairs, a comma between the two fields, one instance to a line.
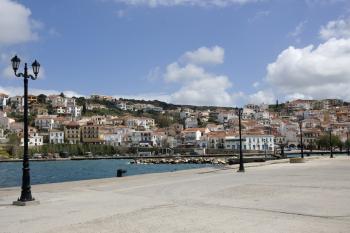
x=60, y=171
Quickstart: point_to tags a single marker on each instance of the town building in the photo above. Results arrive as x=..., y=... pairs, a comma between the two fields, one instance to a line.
x=56, y=136
x=72, y=133
x=91, y=134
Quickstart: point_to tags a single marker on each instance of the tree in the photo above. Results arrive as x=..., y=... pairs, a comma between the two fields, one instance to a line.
x=324, y=142
x=42, y=99
x=62, y=95
x=14, y=139
x=81, y=101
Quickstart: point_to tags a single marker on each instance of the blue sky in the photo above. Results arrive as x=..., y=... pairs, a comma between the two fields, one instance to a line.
x=137, y=48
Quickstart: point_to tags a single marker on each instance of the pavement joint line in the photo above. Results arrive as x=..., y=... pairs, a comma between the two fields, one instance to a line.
x=335, y=217
x=298, y=186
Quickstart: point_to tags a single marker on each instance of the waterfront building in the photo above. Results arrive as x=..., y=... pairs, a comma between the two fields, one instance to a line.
x=255, y=142
x=91, y=134
x=216, y=139
x=72, y=133
x=192, y=136
x=34, y=139
x=56, y=136
x=310, y=137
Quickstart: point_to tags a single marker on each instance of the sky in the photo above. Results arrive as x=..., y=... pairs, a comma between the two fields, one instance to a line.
x=200, y=52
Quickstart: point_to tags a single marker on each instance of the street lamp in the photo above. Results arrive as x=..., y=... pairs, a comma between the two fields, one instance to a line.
x=347, y=143
x=26, y=194
x=241, y=163
x=301, y=136
x=330, y=142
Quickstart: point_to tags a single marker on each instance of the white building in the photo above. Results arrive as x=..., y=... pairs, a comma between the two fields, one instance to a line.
x=56, y=136
x=193, y=135
x=34, y=140
x=60, y=110
x=5, y=122
x=139, y=122
x=75, y=111
x=191, y=122
x=262, y=115
x=45, y=122
x=3, y=100
x=122, y=106
x=224, y=117
x=255, y=142
x=57, y=101
x=185, y=113
x=248, y=113
x=113, y=139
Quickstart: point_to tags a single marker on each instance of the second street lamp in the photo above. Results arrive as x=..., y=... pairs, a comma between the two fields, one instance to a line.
x=241, y=162
x=26, y=194
x=301, y=136
x=330, y=142
x=347, y=143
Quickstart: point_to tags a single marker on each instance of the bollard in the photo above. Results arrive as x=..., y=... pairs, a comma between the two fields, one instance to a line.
x=120, y=172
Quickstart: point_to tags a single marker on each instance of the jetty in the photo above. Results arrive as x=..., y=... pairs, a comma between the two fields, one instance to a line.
x=275, y=196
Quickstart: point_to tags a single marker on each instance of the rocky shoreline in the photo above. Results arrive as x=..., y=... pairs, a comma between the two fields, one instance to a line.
x=199, y=160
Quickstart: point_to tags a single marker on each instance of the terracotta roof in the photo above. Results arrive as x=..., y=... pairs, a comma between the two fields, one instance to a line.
x=195, y=129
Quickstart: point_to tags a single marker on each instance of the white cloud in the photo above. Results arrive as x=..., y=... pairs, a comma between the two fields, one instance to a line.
x=175, y=73
x=337, y=29
x=205, y=55
x=261, y=97
x=169, y=3
x=256, y=84
x=207, y=91
x=197, y=85
x=323, y=2
x=121, y=13
x=154, y=74
x=298, y=29
x=258, y=15
x=16, y=25
x=53, y=32
x=313, y=72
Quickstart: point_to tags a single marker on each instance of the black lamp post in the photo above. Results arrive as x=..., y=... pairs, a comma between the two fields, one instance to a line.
x=330, y=142
x=301, y=136
x=347, y=143
x=241, y=163
x=26, y=194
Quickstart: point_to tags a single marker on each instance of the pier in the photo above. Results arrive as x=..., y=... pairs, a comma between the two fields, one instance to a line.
x=274, y=196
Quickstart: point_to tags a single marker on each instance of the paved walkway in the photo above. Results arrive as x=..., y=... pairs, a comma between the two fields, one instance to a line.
x=277, y=198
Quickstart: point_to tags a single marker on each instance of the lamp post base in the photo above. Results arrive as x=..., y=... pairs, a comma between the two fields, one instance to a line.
x=26, y=203
x=241, y=170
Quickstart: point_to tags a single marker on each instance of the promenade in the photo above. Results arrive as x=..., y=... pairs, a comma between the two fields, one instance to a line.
x=277, y=198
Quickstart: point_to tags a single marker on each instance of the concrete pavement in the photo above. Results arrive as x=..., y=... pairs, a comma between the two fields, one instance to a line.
x=282, y=198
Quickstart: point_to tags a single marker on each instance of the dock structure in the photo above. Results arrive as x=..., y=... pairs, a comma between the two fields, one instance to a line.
x=274, y=196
